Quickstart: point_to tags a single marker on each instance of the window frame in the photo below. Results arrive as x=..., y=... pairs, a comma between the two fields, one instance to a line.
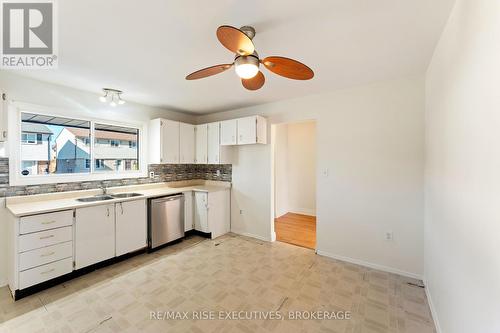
x=15, y=177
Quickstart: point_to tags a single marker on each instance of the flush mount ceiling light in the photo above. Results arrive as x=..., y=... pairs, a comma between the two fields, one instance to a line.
x=246, y=62
x=113, y=96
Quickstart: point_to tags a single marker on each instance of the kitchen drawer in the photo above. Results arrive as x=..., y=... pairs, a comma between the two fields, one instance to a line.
x=45, y=238
x=43, y=273
x=41, y=222
x=45, y=255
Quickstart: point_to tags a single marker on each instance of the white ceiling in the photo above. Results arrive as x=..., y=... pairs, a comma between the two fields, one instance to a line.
x=146, y=48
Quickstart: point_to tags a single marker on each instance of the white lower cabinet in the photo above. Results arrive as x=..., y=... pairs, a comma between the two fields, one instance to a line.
x=201, y=211
x=188, y=211
x=45, y=255
x=131, y=226
x=44, y=273
x=94, y=235
x=39, y=248
x=212, y=212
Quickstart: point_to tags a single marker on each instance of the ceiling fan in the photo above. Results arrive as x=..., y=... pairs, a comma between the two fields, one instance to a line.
x=246, y=60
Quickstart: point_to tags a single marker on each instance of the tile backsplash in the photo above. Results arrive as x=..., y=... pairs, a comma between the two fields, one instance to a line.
x=163, y=173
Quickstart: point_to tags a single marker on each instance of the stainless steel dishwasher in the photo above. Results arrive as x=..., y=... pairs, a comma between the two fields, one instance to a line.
x=166, y=220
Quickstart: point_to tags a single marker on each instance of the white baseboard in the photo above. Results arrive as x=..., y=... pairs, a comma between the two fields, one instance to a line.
x=266, y=239
x=432, y=307
x=371, y=265
x=303, y=211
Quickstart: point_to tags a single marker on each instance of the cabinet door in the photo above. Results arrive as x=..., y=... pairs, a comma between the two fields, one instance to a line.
x=188, y=211
x=94, y=235
x=247, y=130
x=169, y=141
x=201, y=144
x=219, y=212
x=201, y=211
x=187, y=145
x=213, y=143
x=131, y=226
x=228, y=132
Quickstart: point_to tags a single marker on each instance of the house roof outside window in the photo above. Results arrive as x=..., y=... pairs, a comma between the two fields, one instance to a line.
x=35, y=128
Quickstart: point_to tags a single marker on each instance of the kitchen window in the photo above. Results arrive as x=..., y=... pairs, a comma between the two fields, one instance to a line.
x=109, y=158
x=58, y=149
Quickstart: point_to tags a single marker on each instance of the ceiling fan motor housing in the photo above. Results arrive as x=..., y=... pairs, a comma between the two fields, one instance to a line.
x=252, y=59
x=248, y=30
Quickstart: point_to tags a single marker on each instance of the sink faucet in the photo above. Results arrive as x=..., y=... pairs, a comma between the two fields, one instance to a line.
x=104, y=190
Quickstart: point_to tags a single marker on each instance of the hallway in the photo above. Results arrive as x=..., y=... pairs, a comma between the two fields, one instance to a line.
x=296, y=229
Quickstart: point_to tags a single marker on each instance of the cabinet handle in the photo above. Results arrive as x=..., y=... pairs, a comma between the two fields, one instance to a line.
x=47, y=254
x=48, y=222
x=46, y=237
x=107, y=211
x=121, y=206
x=49, y=271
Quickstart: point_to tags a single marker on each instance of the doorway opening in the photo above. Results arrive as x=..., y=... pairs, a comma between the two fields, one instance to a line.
x=294, y=168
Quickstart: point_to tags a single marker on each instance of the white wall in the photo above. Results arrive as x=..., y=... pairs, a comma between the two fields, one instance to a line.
x=295, y=168
x=302, y=168
x=370, y=139
x=280, y=139
x=462, y=225
x=74, y=103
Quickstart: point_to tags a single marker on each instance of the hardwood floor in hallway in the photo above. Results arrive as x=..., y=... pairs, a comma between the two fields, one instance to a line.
x=296, y=229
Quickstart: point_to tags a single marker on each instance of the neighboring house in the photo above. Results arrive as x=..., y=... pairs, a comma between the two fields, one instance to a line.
x=35, y=148
x=112, y=151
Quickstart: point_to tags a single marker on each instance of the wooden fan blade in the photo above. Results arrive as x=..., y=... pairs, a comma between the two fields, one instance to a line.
x=209, y=71
x=235, y=40
x=288, y=68
x=254, y=83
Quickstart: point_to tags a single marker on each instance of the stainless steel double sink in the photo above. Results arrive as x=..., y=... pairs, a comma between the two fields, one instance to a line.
x=104, y=197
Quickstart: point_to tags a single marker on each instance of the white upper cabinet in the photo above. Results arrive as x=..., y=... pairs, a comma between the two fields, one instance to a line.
x=169, y=141
x=201, y=144
x=187, y=143
x=252, y=130
x=3, y=117
x=228, y=132
x=213, y=147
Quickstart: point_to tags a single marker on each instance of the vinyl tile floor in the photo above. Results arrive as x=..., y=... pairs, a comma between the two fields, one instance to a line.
x=230, y=284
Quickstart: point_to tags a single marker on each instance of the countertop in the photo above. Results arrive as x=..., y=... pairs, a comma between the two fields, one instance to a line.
x=44, y=203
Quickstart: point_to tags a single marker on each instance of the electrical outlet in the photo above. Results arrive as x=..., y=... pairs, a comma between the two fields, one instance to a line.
x=389, y=235
x=152, y=175
x=325, y=172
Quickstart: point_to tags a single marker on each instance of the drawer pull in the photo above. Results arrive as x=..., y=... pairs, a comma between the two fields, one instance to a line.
x=45, y=237
x=49, y=271
x=49, y=222
x=47, y=254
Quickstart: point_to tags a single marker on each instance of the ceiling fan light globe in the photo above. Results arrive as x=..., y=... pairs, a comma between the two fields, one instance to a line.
x=247, y=71
x=103, y=99
x=246, y=66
